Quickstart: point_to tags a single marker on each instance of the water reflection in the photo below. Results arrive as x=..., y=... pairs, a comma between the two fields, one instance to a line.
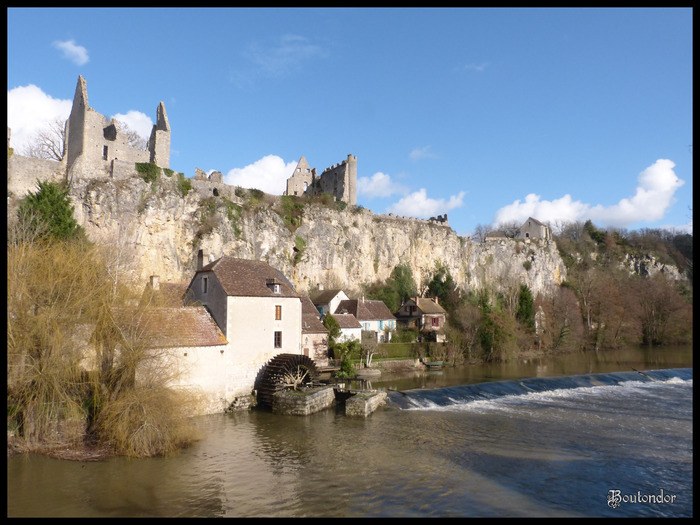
x=394, y=463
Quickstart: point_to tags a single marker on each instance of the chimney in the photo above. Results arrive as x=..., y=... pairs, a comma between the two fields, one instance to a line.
x=154, y=282
x=320, y=287
x=200, y=260
x=436, y=300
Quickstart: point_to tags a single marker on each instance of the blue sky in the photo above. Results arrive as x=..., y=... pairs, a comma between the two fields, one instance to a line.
x=488, y=115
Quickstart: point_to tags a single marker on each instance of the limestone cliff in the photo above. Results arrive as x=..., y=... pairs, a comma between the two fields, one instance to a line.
x=159, y=229
x=155, y=227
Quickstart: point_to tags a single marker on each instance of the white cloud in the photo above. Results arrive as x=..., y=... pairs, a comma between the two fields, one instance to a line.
x=73, y=52
x=654, y=195
x=421, y=153
x=137, y=121
x=268, y=174
x=379, y=185
x=28, y=110
x=418, y=204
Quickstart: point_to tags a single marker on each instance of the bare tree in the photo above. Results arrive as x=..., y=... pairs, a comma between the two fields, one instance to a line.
x=48, y=142
x=133, y=138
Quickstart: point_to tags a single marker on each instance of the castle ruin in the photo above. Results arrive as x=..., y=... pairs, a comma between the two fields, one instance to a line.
x=95, y=144
x=95, y=147
x=339, y=180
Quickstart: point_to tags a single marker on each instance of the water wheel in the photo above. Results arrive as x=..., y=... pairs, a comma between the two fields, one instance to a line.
x=285, y=371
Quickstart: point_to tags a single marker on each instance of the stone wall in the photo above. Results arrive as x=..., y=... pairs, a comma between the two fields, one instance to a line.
x=23, y=173
x=303, y=402
x=363, y=404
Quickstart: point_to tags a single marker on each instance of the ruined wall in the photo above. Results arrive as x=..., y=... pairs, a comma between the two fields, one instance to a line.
x=23, y=173
x=94, y=142
x=340, y=181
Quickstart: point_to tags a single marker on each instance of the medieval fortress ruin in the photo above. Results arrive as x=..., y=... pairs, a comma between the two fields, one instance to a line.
x=95, y=147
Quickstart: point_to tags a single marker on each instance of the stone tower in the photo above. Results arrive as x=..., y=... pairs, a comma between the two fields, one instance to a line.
x=159, y=143
x=94, y=144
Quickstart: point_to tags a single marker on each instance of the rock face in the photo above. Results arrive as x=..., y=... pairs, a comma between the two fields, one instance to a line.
x=154, y=226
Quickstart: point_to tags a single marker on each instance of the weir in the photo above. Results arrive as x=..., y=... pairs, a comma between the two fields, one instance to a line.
x=461, y=395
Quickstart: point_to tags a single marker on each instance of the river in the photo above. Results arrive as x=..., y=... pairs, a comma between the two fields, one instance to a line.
x=599, y=440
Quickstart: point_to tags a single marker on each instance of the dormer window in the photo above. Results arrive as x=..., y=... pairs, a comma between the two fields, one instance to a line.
x=273, y=285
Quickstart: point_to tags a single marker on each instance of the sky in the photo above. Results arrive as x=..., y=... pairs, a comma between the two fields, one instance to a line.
x=490, y=116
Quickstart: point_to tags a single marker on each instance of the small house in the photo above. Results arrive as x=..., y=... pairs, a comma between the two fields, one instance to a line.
x=373, y=316
x=534, y=229
x=327, y=301
x=424, y=314
x=350, y=327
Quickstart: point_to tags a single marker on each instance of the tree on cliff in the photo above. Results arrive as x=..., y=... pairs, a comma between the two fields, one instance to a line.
x=48, y=212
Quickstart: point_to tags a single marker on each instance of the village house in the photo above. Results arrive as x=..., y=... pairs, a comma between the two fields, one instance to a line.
x=239, y=314
x=327, y=301
x=373, y=315
x=534, y=229
x=350, y=328
x=314, y=334
x=215, y=335
x=424, y=314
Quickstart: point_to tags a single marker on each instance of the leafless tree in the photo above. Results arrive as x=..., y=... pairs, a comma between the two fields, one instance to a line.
x=48, y=142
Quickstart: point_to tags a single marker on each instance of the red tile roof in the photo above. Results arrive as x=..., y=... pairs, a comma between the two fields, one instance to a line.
x=171, y=327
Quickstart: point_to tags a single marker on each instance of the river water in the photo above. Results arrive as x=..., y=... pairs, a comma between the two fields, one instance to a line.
x=586, y=435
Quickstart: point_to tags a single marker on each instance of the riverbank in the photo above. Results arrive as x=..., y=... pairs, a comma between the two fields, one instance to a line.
x=408, y=377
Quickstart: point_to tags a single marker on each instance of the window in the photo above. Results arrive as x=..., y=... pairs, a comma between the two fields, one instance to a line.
x=276, y=288
x=278, y=339
x=205, y=284
x=105, y=152
x=436, y=322
x=278, y=312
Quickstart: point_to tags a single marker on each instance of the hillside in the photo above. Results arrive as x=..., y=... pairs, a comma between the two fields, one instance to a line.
x=160, y=226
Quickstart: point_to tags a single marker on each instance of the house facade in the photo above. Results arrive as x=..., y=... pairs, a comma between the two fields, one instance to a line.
x=327, y=301
x=314, y=334
x=534, y=229
x=350, y=328
x=426, y=315
x=260, y=315
x=373, y=315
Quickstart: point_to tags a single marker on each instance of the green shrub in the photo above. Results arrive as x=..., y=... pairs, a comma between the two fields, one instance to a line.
x=148, y=171
x=183, y=184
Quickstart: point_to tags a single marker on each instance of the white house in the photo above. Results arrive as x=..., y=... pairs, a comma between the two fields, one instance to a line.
x=327, y=301
x=373, y=315
x=239, y=314
x=350, y=328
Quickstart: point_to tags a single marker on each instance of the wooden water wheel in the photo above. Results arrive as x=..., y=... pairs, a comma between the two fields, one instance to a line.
x=283, y=372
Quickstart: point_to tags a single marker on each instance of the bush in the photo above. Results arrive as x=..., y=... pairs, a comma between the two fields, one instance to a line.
x=47, y=213
x=146, y=422
x=183, y=184
x=148, y=171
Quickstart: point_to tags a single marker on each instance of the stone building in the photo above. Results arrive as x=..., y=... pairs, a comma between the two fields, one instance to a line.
x=534, y=229
x=96, y=145
x=339, y=180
